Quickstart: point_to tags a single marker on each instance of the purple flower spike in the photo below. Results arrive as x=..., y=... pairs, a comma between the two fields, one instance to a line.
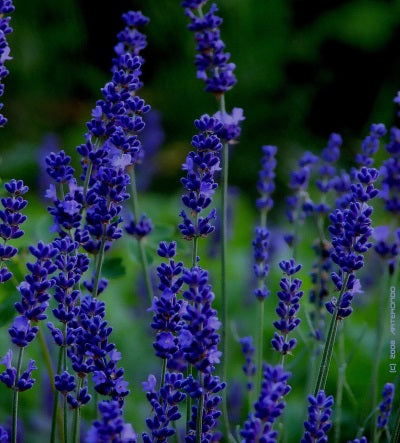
x=6, y=7
x=385, y=407
x=199, y=183
x=111, y=426
x=287, y=309
x=212, y=63
x=8, y=377
x=266, y=181
x=269, y=406
x=249, y=368
x=231, y=130
x=318, y=423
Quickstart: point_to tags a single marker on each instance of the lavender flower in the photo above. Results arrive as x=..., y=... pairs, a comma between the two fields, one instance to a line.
x=249, y=368
x=165, y=405
x=231, y=129
x=370, y=145
x=359, y=440
x=385, y=406
x=4, y=437
x=6, y=7
x=199, y=181
x=212, y=63
x=34, y=295
x=11, y=219
x=266, y=180
x=9, y=376
x=111, y=427
x=318, y=423
x=390, y=172
x=288, y=308
x=270, y=405
x=199, y=340
x=261, y=267
x=350, y=231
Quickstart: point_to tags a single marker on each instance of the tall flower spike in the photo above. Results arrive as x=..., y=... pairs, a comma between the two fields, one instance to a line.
x=111, y=426
x=318, y=423
x=350, y=230
x=199, y=181
x=390, y=171
x=269, y=406
x=249, y=368
x=199, y=340
x=6, y=7
x=11, y=220
x=212, y=63
x=287, y=309
x=385, y=407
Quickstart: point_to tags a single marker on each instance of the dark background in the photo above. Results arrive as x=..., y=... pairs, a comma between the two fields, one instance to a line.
x=304, y=68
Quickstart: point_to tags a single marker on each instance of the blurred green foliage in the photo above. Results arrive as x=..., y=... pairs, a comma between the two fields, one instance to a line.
x=304, y=68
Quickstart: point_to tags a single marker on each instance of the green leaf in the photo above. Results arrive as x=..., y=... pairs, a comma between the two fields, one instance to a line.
x=113, y=267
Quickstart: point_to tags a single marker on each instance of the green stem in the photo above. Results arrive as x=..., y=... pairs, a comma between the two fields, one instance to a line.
x=87, y=179
x=261, y=309
x=77, y=416
x=143, y=258
x=100, y=259
x=56, y=396
x=378, y=348
x=65, y=405
x=15, y=399
x=396, y=434
x=188, y=401
x=163, y=371
x=224, y=301
x=47, y=359
x=339, y=388
x=199, y=419
x=330, y=341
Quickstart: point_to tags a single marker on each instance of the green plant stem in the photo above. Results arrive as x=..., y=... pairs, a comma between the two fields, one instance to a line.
x=55, y=403
x=379, y=345
x=188, y=401
x=99, y=264
x=261, y=309
x=65, y=406
x=199, y=419
x=330, y=341
x=224, y=301
x=77, y=417
x=87, y=179
x=142, y=252
x=339, y=388
x=163, y=371
x=47, y=359
x=14, y=428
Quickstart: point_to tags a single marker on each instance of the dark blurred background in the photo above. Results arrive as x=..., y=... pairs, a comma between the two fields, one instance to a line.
x=305, y=69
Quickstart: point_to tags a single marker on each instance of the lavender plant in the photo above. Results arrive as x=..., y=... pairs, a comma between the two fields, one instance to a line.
x=65, y=282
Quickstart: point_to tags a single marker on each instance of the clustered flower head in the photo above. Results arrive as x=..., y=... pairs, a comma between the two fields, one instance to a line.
x=269, y=406
x=261, y=267
x=198, y=340
x=212, y=63
x=390, y=172
x=370, y=145
x=9, y=376
x=35, y=296
x=318, y=423
x=165, y=405
x=199, y=183
x=287, y=309
x=385, y=407
x=111, y=426
x=6, y=7
x=11, y=219
x=168, y=309
x=350, y=230
x=249, y=368
x=266, y=178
